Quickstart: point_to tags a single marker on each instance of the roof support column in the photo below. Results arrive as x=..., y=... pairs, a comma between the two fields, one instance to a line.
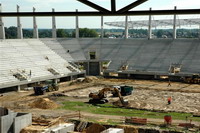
x=102, y=30
x=150, y=27
x=54, y=34
x=35, y=28
x=199, y=31
x=113, y=6
x=2, y=30
x=19, y=26
x=126, y=27
x=77, y=26
x=174, y=26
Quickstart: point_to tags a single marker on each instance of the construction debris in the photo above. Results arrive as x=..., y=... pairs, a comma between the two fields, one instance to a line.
x=81, y=126
x=141, y=121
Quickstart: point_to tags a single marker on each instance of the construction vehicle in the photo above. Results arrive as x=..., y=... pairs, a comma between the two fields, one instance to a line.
x=194, y=79
x=46, y=86
x=100, y=97
x=123, y=89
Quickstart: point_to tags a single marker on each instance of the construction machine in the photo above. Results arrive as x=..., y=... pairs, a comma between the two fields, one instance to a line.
x=194, y=79
x=123, y=89
x=46, y=86
x=100, y=96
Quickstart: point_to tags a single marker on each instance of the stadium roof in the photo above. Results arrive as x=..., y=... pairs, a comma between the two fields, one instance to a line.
x=101, y=11
x=156, y=23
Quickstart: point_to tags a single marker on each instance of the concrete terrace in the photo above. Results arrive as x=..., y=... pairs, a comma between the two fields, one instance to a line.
x=155, y=55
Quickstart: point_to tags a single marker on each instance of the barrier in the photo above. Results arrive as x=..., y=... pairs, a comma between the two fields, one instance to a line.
x=142, y=121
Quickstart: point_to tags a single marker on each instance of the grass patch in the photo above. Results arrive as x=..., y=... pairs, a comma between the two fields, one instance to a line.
x=108, y=109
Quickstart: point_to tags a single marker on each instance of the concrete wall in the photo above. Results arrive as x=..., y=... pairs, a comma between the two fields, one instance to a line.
x=13, y=122
x=113, y=130
x=62, y=128
x=21, y=121
x=6, y=123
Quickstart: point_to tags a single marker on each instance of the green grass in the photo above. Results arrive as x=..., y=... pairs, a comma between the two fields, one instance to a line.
x=108, y=109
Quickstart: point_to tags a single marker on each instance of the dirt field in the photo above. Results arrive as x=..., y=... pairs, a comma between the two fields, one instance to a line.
x=151, y=95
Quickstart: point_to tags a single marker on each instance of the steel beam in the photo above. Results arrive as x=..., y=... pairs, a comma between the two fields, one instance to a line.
x=95, y=6
x=113, y=6
x=90, y=13
x=134, y=4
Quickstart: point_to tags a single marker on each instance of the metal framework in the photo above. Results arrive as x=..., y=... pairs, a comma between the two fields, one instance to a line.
x=104, y=12
x=156, y=23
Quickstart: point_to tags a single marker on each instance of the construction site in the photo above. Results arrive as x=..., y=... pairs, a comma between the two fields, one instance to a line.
x=100, y=85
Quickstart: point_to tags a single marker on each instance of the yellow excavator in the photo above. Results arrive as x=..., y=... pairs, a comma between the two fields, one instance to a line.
x=100, y=97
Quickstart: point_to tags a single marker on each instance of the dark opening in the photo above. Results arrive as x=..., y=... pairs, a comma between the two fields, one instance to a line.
x=92, y=55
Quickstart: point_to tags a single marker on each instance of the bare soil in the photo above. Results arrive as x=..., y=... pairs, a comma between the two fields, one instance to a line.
x=151, y=95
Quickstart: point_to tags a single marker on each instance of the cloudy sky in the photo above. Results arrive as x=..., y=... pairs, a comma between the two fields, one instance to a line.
x=89, y=22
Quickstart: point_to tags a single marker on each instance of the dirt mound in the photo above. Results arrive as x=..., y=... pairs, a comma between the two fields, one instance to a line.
x=43, y=103
x=87, y=79
x=90, y=79
x=95, y=128
x=128, y=128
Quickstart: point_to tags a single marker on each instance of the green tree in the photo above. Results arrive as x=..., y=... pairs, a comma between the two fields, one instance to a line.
x=85, y=32
x=159, y=33
x=45, y=33
x=27, y=33
x=61, y=33
x=11, y=32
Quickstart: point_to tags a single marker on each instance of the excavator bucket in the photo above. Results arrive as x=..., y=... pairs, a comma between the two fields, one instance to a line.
x=125, y=103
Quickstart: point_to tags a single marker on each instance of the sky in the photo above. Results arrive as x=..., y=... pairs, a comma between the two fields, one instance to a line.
x=87, y=22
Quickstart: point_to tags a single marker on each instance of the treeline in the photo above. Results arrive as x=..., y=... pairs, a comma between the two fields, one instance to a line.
x=11, y=33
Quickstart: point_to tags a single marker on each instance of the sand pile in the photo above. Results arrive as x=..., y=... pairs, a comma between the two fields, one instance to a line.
x=43, y=103
x=90, y=79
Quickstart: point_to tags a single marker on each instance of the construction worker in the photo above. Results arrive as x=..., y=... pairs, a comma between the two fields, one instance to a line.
x=169, y=84
x=169, y=100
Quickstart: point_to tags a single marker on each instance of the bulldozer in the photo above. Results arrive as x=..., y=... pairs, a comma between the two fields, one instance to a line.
x=100, y=96
x=46, y=86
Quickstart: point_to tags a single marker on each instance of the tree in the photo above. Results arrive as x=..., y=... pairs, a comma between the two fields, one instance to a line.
x=159, y=33
x=85, y=32
x=11, y=32
x=61, y=33
x=45, y=33
x=27, y=33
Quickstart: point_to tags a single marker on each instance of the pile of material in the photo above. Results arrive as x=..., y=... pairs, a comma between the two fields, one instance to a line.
x=128, y=128
x=95, y=128
x=90, y=79
x=43, y=103
x=87, y=79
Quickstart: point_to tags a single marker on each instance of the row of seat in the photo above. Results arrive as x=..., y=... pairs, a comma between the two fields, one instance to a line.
x=29, y=58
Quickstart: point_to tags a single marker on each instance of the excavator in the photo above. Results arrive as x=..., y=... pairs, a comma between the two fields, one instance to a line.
x=194, y=79
x=99, y=97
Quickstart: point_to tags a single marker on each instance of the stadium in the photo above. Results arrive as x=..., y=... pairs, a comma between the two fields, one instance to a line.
x=147, y=64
